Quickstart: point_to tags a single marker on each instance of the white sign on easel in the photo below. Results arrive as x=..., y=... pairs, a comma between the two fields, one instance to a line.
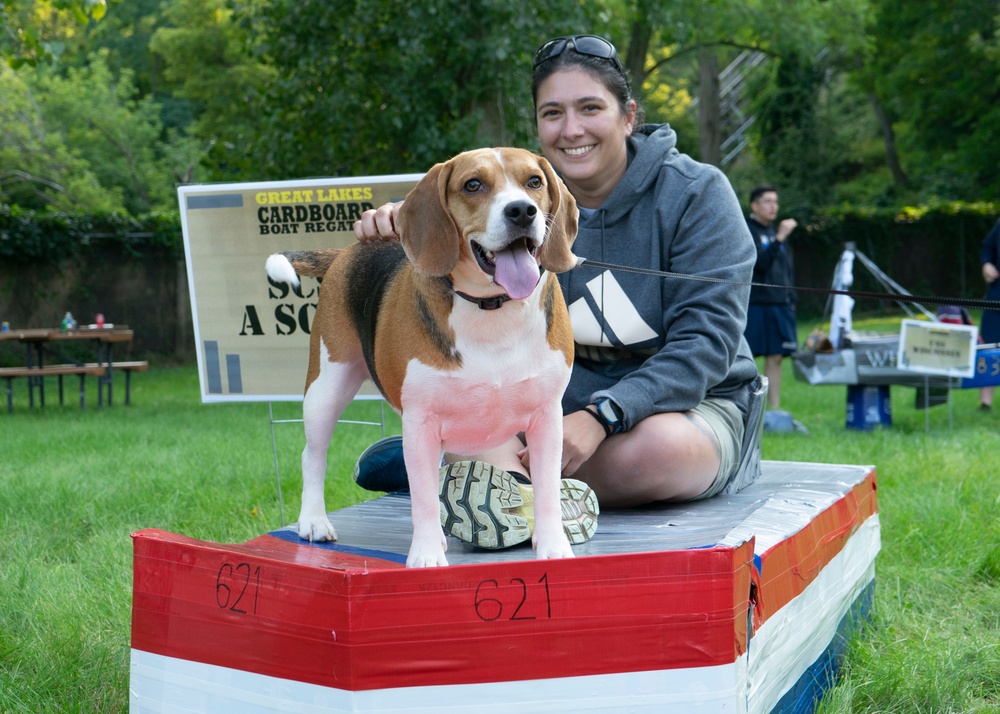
x=937, y=348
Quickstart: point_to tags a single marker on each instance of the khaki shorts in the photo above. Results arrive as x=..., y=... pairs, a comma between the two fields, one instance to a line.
x=726, y=422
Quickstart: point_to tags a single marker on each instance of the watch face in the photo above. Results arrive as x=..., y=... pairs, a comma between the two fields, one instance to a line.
x=609, y=412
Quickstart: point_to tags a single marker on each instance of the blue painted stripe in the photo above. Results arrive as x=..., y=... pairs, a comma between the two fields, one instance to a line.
x=226, y=200
x=213, y=370
x=293, y=537
x=234, y=374
x=822, y=674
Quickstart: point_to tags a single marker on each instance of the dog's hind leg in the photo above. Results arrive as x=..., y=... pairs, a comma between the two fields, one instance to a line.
x=325, y=400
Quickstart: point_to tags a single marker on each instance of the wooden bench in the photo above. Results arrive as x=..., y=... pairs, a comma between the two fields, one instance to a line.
x=128, y=368
x=36, y=375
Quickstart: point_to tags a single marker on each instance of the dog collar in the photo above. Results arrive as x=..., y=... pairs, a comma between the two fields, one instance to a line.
x=494, y=302
x=486, y=303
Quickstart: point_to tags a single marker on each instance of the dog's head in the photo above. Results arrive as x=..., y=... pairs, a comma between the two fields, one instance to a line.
x=494, y=215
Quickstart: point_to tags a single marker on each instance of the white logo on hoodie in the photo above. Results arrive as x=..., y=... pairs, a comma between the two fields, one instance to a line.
x=620, y=316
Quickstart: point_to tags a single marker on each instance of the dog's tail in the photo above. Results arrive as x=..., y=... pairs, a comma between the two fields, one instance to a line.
x=288, y=266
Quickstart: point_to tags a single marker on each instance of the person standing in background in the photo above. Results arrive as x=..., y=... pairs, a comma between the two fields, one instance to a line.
x=770, y=329
x=989, y=331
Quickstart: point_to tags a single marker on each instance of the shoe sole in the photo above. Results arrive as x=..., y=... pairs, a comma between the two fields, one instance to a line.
x=485, y=506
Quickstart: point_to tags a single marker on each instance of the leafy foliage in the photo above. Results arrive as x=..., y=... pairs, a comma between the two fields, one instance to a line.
x=158, y=92
x=23, y=41
x=53, y=236
x=787, y=120
x=37, y=169
x=83, y=141
x=936, y=66
x=394, y=86
x=209, y=63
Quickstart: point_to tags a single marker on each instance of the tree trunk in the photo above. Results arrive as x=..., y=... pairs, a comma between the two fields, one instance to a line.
x=638, y=48
x=889, y=139
x=709, y=120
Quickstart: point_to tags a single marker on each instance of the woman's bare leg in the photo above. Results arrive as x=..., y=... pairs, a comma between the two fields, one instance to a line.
x=666, y=457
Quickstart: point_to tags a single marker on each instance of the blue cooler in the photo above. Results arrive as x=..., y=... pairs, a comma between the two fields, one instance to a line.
x=868, y=406
x=987, y=370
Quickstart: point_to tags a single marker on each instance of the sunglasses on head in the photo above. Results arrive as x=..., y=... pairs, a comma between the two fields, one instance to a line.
x=590, y=45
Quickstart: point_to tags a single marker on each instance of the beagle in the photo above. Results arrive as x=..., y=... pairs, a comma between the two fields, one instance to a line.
x=459, y=329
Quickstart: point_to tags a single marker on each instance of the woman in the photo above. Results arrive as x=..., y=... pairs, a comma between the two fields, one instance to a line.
x=656, y=405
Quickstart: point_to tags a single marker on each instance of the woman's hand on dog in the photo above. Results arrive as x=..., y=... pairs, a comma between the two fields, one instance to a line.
x=581, y=437
x=378, y=223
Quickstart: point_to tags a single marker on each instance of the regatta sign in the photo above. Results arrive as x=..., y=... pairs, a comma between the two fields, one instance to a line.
x=937, y=348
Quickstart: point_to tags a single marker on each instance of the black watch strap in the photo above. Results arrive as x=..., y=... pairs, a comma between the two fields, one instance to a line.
x=611, y=415
x=607, y=428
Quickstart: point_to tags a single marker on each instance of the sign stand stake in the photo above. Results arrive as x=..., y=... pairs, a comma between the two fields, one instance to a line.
x=274, y=446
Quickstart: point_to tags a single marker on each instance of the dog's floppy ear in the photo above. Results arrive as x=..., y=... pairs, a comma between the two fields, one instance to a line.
x=426, y=229
x=555, y=254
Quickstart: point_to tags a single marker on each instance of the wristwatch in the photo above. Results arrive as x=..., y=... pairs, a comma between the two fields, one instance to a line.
x=610, y=415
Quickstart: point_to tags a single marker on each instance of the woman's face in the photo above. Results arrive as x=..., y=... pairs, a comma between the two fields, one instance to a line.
x=582, y=133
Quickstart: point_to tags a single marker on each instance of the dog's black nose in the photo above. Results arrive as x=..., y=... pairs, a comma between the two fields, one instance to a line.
x=521, y=213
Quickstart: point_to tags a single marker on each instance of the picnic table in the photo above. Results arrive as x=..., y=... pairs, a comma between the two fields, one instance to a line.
x=42, y=346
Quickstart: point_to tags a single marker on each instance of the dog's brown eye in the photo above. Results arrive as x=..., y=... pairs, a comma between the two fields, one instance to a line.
x=535, y=182
x=473, y=185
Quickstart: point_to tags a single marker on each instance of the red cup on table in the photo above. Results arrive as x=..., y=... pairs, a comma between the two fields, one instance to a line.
x=99, y=320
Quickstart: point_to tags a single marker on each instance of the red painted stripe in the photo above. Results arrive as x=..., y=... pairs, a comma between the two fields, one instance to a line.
x=790, y=566
x=321, y=617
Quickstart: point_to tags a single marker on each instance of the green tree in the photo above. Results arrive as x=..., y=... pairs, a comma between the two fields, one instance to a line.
x=934, y=68
x=396, y=86
x=85, y=141
x=125, y=34
x=209, y=62
x=37, y=168
x=683, y=45
x=26, y=40
x=119, y=134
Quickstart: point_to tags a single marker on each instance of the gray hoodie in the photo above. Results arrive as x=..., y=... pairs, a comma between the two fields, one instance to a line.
x=655, y=344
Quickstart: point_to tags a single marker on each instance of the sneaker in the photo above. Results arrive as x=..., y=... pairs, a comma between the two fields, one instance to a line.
x=983, y=407
x=487, y=507
x=782, y=422
x=381, y=467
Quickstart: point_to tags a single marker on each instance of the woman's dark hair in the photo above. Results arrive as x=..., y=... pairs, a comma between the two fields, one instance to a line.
x=603, y=70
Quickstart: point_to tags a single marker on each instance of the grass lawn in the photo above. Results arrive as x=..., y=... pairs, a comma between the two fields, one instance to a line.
x=74, y=485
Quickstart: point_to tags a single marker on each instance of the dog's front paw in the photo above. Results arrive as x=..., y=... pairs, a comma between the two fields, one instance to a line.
x=316, y=529
x=427, y=553
x=553, y=546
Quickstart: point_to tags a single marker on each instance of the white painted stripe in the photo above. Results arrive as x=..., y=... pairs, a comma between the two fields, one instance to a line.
x=164, y=685
x=795, y=637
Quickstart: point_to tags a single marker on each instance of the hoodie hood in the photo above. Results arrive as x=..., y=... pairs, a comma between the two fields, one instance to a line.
x=659, y=144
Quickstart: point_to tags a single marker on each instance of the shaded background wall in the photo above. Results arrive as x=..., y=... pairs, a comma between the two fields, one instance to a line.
x=147, y=293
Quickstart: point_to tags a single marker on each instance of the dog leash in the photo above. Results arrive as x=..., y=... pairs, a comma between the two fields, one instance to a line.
x=974, y=303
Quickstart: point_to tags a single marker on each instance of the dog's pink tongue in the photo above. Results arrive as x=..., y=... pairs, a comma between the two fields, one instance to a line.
x=517, y=271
